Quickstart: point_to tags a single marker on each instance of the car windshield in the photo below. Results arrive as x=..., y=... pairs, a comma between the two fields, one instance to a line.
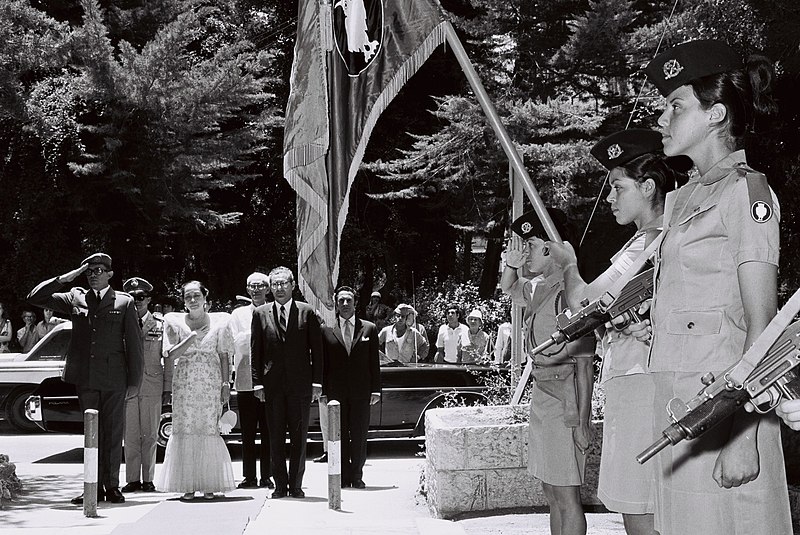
x=53, y=349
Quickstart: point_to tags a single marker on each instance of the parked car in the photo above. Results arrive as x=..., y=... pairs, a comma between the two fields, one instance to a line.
x=22, y=373
x=406, y=393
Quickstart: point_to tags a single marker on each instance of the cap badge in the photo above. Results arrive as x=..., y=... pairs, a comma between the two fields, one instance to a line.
x=672, y=68
x=526, y=227
x=134, y=283
x=614, y=151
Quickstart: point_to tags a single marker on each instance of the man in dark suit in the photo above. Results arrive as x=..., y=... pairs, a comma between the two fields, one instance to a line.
x=104, y=359
x=351, y=376
x=286, y=355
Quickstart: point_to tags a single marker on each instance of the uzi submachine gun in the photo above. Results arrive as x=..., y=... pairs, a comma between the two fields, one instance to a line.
x=597, y=313
x=775, y=375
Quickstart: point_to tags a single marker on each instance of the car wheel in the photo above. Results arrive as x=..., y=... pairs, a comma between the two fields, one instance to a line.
x=164, y=429
x=15, y=410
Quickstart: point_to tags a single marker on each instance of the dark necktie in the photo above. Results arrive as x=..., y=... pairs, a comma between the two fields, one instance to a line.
x=282, y=322
x=141, y=323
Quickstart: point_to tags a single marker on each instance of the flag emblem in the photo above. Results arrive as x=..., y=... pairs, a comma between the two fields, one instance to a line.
x=358, y=32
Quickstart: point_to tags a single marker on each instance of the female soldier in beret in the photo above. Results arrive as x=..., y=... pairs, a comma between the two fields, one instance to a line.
x=716, y=291
x=560, y=429
x=640, y=177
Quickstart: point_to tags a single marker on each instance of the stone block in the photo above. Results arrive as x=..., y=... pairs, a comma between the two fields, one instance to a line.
x=451, y=492
x=513, y=488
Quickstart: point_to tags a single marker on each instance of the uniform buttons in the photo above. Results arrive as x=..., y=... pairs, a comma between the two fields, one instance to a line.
x=690, y=325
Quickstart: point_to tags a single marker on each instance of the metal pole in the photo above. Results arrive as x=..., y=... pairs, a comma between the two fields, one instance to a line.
x=500, y=130
x=516, y=310
x=90, y=463
x=334, y=456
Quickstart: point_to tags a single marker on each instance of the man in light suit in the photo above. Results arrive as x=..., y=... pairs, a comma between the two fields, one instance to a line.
x=143, y=403
x=351, y=376
x=104, y=359
x=286, y=354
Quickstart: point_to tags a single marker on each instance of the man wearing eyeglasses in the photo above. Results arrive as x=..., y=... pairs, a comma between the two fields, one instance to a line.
x=104, y=358
x=143, y=403
x=286, y=348
x=252, y=412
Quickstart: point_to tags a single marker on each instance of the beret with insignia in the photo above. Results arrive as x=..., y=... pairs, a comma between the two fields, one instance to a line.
x=621, y=147
x=98, y=258
x=528, y=225
x=137, y=285
x=689, y=61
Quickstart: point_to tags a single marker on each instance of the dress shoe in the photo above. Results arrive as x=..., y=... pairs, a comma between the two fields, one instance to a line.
x=78, y=500
x=133, y=486
x=113, y=495
x=297, y=493
x=278, y=493
x=322, y=458
x=147, y=486
x=248, y=483
x=359, y=484
x=345, y=484
x=187, y=497
x=267, y=483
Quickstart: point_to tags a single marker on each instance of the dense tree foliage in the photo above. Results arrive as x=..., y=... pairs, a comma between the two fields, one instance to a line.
x=153, y=129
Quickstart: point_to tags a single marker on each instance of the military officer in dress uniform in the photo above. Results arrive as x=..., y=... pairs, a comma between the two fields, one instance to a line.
x=104, y=359
x=143, y=403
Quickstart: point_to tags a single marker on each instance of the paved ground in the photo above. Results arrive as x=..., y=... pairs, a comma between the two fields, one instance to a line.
x=389, y=505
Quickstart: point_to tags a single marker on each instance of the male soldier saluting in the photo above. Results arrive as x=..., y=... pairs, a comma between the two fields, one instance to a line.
x=104, y=359
x=143, y=403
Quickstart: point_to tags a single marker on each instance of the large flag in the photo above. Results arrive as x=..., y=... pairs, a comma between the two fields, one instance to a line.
x=350, y=60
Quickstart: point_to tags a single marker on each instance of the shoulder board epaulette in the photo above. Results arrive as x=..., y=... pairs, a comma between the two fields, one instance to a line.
x=761, y=209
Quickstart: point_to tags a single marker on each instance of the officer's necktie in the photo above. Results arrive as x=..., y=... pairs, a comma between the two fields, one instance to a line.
x=348, y=335
x=282, y=323
x=141, y=323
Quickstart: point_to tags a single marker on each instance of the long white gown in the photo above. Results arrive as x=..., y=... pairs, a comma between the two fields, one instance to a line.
x=197, y=458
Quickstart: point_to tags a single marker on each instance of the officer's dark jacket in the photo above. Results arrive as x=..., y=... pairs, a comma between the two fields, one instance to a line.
x=105, y=352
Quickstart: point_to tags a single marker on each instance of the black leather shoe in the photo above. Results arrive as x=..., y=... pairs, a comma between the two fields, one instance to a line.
x=279, y=493
x=133, y=486
x=113, y=495
x=266, y=483
x=248, y=483
x=322, y=458
x=147, y=486
x=359, y=484
x=297, y=493
x=345, y=484
x=78, y=500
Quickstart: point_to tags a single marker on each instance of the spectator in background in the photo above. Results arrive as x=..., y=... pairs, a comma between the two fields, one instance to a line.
x=449, y=333
x=6, y=332
x=377, y=312
x=48, y=323
x=473, y=344
x=404, y=341
x=26, y=336
x=502, y=344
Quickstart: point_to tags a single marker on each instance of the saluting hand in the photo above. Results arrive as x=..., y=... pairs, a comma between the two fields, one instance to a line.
x=72, y=275
x=516, y=255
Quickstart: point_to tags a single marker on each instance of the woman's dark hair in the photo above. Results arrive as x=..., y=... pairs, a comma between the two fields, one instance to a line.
x=202, y=287
x=661, y=170
x=746, y=93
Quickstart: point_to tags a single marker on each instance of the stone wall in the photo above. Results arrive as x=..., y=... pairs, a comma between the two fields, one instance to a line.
x=476, y=460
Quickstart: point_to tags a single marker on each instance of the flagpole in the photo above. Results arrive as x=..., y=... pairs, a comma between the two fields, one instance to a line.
x=500, y=130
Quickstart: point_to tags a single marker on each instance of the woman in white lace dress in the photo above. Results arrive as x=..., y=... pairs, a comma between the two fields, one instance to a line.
x=199, y=344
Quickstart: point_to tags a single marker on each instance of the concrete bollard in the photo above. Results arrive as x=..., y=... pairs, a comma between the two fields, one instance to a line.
x=90, y=463
x=334, y=456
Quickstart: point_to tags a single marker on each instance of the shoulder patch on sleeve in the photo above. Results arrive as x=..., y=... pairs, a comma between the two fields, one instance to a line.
x=761, y=209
